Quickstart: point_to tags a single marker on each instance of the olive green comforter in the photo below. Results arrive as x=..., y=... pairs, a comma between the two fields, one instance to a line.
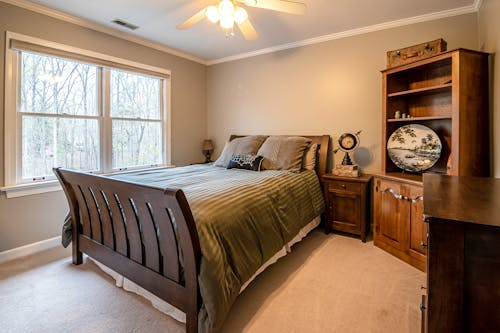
x=243, y=218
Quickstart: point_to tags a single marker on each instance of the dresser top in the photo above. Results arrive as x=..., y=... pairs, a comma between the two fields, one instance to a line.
x=466, y=199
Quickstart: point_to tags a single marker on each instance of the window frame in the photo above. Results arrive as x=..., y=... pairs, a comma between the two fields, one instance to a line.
x=107, y=159
x=14, y=185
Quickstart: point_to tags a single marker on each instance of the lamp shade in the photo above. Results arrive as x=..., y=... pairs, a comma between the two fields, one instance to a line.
x=208, y=145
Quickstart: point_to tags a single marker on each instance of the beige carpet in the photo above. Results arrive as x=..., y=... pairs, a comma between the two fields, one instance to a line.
x=327, y=284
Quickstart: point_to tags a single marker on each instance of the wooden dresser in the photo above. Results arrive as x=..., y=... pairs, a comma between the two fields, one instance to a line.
x=463, y=268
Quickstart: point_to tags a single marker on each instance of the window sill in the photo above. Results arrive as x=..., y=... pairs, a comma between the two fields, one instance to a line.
x=22, y=190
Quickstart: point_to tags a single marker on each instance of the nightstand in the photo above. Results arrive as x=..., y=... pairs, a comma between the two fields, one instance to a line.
x=348, y=204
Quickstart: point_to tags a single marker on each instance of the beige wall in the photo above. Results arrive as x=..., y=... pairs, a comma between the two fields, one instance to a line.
x=325, y=88
x=489, y=40
x=34, y=218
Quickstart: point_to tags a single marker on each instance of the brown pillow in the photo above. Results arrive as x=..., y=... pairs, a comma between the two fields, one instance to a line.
x=310, y=157
x=283, y=152
x=248, y=145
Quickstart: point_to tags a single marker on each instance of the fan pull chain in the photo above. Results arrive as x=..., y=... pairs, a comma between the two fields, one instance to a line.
x=229, y=33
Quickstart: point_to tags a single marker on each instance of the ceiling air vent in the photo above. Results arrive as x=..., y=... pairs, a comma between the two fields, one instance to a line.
x=125, y=24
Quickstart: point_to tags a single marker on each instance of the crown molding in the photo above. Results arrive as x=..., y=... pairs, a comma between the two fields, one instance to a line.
x=315, y=40
x=354, y=32
x=60, y=15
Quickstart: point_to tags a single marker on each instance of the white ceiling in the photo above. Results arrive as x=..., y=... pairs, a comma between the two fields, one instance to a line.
x=157, y=20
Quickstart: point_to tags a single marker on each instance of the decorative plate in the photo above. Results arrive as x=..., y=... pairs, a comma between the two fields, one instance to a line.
x=414, y=147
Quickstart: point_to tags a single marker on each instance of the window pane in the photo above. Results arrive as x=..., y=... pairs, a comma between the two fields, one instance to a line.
x=136, y=143
x=134, y=95
x=57, y=86
x=49, y=142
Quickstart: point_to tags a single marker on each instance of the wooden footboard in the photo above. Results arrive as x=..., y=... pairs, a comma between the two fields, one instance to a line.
x=145, y=233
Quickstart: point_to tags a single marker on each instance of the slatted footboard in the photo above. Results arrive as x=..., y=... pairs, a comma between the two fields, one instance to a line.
x=146, y=234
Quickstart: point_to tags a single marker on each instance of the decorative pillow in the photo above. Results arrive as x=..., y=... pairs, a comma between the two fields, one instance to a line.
x=247, y=162
x=283, y=152
x=310, y=156
x=245, y=145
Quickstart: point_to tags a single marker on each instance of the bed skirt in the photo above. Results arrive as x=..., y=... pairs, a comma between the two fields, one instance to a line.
x=179, y=315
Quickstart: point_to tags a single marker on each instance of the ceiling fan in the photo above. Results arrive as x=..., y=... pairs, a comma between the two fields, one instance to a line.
x=228, y=12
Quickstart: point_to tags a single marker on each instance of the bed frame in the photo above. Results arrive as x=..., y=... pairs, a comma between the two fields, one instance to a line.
x=145, y=233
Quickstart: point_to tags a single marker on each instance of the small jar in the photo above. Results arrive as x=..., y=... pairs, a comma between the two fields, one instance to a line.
x=403, y=115
x=397, y=114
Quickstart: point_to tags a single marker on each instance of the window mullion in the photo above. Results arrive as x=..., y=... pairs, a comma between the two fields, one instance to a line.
x=167, y=121
x=106, y=129
x=162, y=119
x=19, y=121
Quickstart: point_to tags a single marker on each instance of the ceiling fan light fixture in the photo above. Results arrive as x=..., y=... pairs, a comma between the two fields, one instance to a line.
x=226, y=22
x=226, y=13
x=240, y=15
x=212, y=13
x=226, y=8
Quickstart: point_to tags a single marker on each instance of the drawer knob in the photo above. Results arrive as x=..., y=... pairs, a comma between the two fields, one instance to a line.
x=423, y=245
x=342, y=185
x=422, y=307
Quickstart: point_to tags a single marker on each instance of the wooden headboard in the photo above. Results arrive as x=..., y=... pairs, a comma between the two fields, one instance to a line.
x=323, y=142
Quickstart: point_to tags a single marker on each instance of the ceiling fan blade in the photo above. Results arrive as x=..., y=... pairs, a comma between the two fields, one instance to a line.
x=248, y=30
x=192, y=20
x=285, y=6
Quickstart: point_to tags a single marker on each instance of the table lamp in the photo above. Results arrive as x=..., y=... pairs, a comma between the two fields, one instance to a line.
x=208, y=149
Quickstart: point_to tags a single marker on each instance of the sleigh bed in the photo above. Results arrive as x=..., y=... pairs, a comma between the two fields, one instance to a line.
x=175, y=232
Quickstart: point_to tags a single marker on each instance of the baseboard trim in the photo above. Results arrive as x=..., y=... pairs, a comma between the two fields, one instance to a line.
x=25, y=250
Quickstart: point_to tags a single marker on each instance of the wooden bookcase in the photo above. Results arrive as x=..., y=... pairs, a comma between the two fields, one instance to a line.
x=449, y=94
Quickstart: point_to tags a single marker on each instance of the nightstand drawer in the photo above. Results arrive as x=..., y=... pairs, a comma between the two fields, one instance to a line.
x=345, y=186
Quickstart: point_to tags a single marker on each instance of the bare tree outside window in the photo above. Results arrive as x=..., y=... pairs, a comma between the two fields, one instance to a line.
x=59, y=115
x=136, y=119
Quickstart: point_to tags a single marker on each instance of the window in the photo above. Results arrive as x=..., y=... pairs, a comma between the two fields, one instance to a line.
x=80, y=110
x=136, y=120
x=59, y=116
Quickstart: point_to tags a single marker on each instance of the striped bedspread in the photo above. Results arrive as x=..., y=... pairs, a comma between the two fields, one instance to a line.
x=243, y=218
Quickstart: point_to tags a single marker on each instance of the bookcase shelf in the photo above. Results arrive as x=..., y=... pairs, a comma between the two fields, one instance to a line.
x=417, y=119
x=426, y=90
